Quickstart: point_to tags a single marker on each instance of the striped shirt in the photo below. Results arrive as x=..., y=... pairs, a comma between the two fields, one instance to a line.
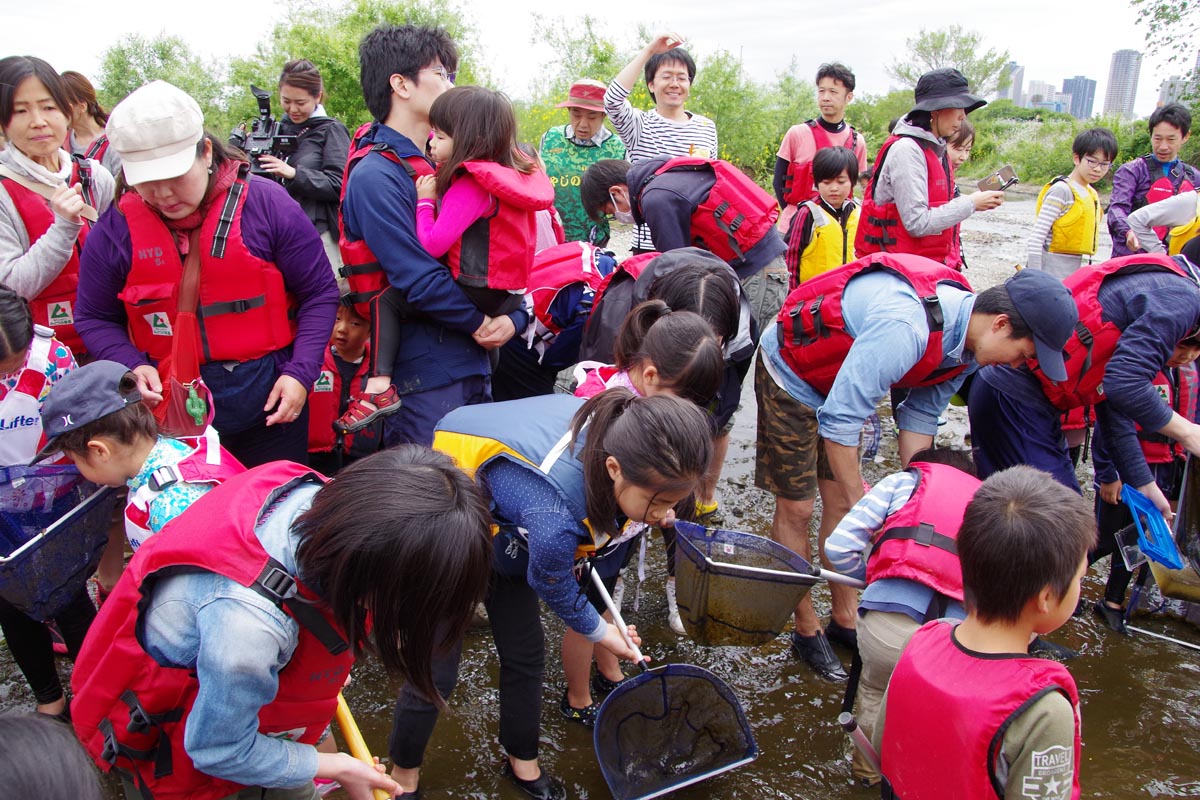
x=1057, y=202
x=848, y=545
x=647, y=135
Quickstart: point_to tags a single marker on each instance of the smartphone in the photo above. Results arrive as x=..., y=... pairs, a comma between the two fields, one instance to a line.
x=999, y=180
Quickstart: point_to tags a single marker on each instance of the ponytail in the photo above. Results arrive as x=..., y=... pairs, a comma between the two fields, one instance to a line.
x=680, y=345
x=662, y=443
x=16, y=323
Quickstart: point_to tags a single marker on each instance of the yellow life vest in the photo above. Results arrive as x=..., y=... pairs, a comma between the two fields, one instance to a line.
x=831, y=245
x=1076, y=232
x=1183, y=234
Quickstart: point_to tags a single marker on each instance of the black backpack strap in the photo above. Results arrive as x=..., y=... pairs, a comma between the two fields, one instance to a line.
x=277, y=585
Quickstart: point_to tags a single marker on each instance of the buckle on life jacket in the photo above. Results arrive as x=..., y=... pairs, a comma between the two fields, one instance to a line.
x=163, y=477
x=275, y=583
x=231, y=307
x=933, y=313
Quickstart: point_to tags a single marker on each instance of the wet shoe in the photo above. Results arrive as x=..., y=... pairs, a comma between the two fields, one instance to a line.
x=584, y=716
x=815, y=651
x=846, y=637
x=706, y=509
x=544, y=787
x=603, y=685
x=1044, y=648
x=673, y=618
x=359, y=415
x=1114, y=618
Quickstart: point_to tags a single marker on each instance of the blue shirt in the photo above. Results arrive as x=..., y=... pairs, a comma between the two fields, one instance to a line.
x=436, y=348
x=887, y=322
x=237, y=641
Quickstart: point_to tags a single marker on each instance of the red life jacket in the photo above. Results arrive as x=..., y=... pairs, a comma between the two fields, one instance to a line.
x=130, y=712
x=1163, y=188
x=736, y=214
x=1092, y=344
x=1180, y=395
x=244, y=309
x=812, y=332
x=798, y=186
x=880, y=228
x=208, y=463
x=97, y=148
x=553, y=270
x=947, y=712
x=360, y=267
x=496, y=250
x=54, y=306
x=920, y=541
x=324, y=402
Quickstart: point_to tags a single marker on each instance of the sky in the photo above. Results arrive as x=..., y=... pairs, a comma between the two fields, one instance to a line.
x=1051, y=40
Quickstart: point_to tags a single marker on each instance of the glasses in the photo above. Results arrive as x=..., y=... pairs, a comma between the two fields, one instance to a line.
x=442, y=71
x=1104, y=165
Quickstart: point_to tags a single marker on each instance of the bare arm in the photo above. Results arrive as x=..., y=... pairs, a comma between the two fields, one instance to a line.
x=661, y=43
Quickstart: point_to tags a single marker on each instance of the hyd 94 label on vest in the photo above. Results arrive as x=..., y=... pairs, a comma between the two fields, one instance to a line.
x=160, y=324
x=61, y=314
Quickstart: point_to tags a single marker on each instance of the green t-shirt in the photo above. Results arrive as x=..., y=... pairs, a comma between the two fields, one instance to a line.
x=566, y=162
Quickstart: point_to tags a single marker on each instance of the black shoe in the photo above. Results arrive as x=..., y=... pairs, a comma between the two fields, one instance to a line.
x=415, y=794
x=816, y=652
x=601, y=685
x=584, y=716
x=1114, y=618
x=544, y=787
x=1043, y=648
x=846, y=637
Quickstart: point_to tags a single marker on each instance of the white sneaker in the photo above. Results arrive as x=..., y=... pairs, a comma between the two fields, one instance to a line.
x=673, y=618
x=618, y=592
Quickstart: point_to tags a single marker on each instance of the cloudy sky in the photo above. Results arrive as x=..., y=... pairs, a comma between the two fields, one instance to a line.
x=1052, y=40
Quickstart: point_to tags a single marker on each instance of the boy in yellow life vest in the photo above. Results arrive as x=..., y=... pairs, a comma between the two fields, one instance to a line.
x=1068, y=209
x=821, y=234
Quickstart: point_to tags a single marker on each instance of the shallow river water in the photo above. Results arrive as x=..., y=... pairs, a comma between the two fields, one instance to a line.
x=1140, y=696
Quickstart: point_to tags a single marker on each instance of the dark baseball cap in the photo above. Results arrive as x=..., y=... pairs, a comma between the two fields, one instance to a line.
x=1050, y=312
x=83, y=396
x=945, y=88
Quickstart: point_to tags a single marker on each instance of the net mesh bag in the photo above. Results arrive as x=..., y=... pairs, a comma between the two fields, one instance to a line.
x=736, y=588
x=670, y=727
x=53, y=529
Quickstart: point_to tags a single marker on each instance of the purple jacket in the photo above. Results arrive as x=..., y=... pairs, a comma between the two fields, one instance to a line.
x=274, y=229
x=1130, y=184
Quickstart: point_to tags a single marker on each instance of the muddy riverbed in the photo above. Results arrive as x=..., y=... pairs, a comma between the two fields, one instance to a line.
x=1140, y=696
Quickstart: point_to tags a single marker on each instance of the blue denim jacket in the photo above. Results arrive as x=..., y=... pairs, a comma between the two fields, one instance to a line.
x=237, y=641
x=887, y=321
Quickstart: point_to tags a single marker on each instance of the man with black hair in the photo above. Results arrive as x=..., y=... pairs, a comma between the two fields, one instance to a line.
x=793, y=182
x=1138, y=316
x=441, y=363
x=668, y=129
x=1156, y=176
x=843, y=340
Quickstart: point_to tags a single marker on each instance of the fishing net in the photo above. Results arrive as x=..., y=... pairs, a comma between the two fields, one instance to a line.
x=736, y=588
x=670, y=727
x=53, y=529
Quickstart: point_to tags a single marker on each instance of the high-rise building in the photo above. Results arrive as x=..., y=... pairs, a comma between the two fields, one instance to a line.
x=1121, y=91
x=1176, y=88
x=1083, y=93
x=1039, y=92
x=1016, y=77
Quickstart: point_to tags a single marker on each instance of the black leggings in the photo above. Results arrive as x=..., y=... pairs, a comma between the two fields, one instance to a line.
x=29, y=642
x=1110, y=519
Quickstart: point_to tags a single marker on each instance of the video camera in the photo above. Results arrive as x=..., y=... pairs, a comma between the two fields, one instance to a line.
x=266, y=136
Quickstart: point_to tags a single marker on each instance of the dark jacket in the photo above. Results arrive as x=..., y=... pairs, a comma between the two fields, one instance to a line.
x=319, y=159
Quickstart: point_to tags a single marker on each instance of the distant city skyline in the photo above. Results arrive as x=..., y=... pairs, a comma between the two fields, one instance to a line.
x=1083, y=95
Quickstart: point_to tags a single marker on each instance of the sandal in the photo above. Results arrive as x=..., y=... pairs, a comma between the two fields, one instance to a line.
x=359, y=415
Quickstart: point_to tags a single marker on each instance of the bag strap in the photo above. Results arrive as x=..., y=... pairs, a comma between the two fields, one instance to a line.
x=189, y=284
x=88, y=213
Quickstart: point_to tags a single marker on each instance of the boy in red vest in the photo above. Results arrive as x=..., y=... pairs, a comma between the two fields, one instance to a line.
x=900, y=538
x=968, y=712
x=343, y=377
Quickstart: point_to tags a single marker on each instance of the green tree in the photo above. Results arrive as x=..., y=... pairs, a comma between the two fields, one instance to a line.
x=952, y=47
x=329, y=35
x=136, y=60
x=1171, y=26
